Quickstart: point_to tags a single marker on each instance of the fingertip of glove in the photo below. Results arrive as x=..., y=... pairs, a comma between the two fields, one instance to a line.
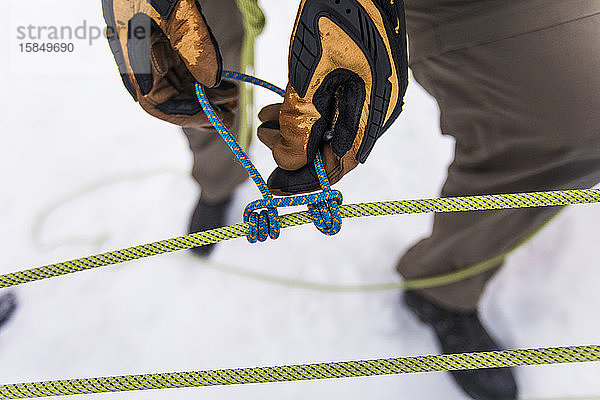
x=274, y=125
x=270, y=112
x=302, y=180
x=212, y=79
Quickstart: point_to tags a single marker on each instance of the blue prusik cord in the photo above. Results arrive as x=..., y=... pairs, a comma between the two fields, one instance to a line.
x=324, y=207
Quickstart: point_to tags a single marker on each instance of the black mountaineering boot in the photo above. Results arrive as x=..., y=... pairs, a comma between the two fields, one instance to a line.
x=208, y=216
x=459, y=332
x=8, y=305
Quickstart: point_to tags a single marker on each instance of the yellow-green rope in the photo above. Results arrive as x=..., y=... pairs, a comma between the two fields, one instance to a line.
x=345, y=369
x=312, y=371
x=97, y=240
x=254, y=23
x=449, y=204
x=407, y=284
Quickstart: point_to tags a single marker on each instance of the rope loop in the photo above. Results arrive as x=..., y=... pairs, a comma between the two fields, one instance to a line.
x=326, y=214
x=324, y=207
x=261, y=225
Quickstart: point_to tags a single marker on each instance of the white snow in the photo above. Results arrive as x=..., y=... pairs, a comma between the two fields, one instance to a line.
x=67, y=122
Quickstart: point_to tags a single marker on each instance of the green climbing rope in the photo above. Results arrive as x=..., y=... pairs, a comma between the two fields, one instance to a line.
x=407, y=284
x=254, y=23
x=449, y=204
x=345, y=369
x=98, y=240
x=313, y=371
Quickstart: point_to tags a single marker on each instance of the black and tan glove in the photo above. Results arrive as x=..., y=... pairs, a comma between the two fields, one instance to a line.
x=347, y=79
x=162, y=47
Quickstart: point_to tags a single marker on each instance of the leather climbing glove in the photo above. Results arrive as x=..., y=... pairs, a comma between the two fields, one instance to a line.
x=347, y=78
x=162, y=47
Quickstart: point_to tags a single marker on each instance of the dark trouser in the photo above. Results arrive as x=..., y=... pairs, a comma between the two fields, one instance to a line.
x=518, y=86
x=215, y=167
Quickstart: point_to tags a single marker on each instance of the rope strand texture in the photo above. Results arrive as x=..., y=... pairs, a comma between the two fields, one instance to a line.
x=323, y=207
x=347, y=369
x=289, y=373
x=449, y=204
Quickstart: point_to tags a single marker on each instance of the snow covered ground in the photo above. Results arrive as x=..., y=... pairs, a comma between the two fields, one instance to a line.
x=66, y=123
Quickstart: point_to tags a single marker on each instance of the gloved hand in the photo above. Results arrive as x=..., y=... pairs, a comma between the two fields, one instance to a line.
x=348, y=74
x=161, y=48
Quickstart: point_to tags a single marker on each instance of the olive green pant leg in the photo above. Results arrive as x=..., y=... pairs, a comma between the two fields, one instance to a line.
x=215, y=167
x=523, y=111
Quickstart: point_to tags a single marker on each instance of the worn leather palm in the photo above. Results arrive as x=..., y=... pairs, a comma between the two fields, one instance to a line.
x=347, y=79
x=162, y=47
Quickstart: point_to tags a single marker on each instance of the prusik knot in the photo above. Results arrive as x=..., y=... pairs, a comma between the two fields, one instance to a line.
x=323, y=207
x=325, y=213
x=261, y=225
